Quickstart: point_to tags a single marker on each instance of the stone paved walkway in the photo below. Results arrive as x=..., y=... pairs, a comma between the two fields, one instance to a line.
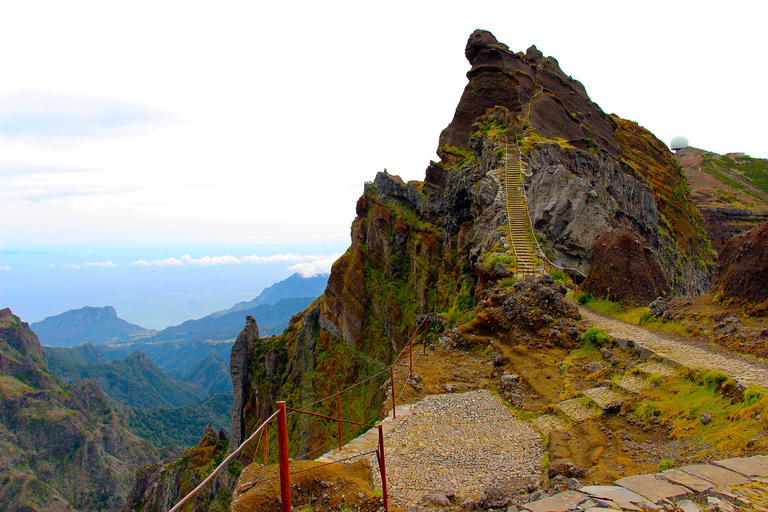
x=680, y=350
x=454, y=442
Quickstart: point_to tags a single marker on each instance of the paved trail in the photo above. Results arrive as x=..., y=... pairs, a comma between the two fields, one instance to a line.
x=454, y=442
x=681, y=350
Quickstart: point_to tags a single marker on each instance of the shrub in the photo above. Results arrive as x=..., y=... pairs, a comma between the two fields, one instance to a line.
x=595, y=336
x=714, y=378
x=752, y=395
x=665, y=464
x=583, y=297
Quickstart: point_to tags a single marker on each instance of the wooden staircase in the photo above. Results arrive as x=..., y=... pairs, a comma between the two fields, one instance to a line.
x=520, y=234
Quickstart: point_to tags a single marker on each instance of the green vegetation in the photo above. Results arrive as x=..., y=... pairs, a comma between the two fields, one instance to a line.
x=738, y=420
x=595, y=336
x=181, y=426
x=137, y=381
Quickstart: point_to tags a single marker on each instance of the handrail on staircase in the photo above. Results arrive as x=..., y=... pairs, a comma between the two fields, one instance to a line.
x=506, y=192
x=530, y=222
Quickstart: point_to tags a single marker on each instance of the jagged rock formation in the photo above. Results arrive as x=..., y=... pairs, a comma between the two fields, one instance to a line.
x=239, y=365
x=64, y=447
x=731, y=191
x=532, y=312
x=624, y=269
x=742, y=266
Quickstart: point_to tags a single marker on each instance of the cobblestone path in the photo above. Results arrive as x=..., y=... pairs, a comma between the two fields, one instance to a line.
x=460, y=442
x=681, y=350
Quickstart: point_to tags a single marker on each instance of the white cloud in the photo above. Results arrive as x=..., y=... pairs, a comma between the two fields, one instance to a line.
x=5, y=267
x=73, y=266
x=102, y=264
x=206, y=261
x=313, y=268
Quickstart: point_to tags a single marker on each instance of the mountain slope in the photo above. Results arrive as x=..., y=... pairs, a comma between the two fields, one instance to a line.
x=210, y=373
x=88, y=324
x=136, y=381
x=274, y=317
x=64, y=447
x=731, y=191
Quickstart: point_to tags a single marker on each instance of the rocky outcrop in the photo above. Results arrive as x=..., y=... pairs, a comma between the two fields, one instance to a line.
x=65, y=446
x=533, y=312
x=239, y=365
x=624, y=269
x=159, y=487
x=742, y=266
x=576, y=196
x=534, y=89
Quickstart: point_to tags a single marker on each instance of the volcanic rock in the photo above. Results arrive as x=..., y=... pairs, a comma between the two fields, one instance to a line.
x=623, y=269
x=742, y=266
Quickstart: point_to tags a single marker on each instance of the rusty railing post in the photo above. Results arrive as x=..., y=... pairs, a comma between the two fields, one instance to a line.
x=425, y=336
x=392, y=385
x=282, y=452
x=410, y=357
x=338, y=411
x=382, y=468
x=266, y=453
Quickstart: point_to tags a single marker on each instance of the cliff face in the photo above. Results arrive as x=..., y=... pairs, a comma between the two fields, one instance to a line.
x=64, y=447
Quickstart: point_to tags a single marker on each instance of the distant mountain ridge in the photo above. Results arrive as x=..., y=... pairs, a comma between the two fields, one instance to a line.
x=87, y=325
x=136, y=381
x=293, y=286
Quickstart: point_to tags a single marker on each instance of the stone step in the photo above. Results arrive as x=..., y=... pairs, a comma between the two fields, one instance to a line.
x=605, y=398
x=656, y=368
x=546, y=423
x=631, y=384
x=575, y=411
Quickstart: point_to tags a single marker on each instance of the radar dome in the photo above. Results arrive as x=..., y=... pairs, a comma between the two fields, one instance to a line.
x=678, y=142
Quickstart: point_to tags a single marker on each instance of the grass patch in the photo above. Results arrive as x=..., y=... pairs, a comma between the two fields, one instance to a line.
x=685, y=397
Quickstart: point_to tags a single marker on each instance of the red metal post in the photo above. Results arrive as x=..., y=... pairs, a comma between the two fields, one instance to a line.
x=338, y=411
x=392, y=384
x=282, y=453
x=382, y=469
x=266, y=458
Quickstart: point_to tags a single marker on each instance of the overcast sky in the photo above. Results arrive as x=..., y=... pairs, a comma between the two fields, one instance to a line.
x=259, y=122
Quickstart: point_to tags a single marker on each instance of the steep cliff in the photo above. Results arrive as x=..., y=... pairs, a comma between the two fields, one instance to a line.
x=64, y=447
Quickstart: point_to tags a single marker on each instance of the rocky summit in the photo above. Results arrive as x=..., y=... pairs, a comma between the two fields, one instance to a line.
x=532, y=176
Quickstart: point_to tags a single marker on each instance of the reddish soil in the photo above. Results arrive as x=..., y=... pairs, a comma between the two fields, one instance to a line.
x=623, y=269
x=742, y=266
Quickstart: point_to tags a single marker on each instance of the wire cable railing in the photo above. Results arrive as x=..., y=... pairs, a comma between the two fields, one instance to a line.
x=302, y=410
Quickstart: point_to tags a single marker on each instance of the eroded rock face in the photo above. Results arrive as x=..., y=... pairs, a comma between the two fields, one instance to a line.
x=624, y=269
x=533, y=88
x=534, y=312
x=742, y=266
x=577, y=196
x=241, y=357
